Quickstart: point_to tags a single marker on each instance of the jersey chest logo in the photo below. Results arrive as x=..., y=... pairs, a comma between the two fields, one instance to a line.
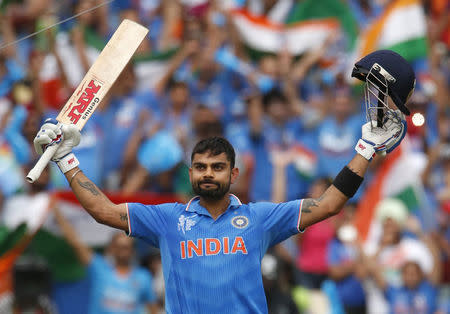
x=186, y=223
x=212, y=246
x=239, y=222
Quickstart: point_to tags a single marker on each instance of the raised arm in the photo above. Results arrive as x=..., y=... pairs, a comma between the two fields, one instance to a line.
x=332, y=200
x=83, y=252
x=374, y=140
x=88, y=194
x=95, y=202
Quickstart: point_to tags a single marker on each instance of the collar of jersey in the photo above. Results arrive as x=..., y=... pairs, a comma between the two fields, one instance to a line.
x=193, y=206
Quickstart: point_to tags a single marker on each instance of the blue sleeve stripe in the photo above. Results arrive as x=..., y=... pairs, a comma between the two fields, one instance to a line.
x=299, y=216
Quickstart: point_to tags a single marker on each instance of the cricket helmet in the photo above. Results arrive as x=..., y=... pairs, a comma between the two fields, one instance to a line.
x=385, y=73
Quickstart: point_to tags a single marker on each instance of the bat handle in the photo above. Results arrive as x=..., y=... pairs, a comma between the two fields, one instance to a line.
x=35, y=173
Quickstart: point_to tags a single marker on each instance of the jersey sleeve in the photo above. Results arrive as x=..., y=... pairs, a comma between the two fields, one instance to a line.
x=148, y=222
x=279, y=221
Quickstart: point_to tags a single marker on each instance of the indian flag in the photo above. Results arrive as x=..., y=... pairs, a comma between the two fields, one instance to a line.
x=305, y=161
x=399, y=176
x=260, y=34
x=150, y=68
x=21, y=218
x=28, y=226
x=401, y=27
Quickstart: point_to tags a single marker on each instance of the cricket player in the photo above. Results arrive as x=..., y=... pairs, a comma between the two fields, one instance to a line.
x=211, y=247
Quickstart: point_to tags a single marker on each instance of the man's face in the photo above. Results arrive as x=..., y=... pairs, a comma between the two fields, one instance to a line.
x=211, y=176
x=179, y=96
x=412, y=275
x=278, y=111
x=391, y=232
x=122, y=249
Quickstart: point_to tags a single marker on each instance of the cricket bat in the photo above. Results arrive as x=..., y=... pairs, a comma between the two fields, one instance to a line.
x=96, y=84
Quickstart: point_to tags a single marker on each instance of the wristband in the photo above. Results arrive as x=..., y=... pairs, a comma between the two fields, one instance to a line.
x=68, y=162
x=347, y=182
x=365, y=149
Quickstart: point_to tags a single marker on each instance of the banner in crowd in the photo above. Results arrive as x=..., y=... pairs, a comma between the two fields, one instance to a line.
x=401, y=27
x=28, y=224
x=262, y=35
x=307, y=26
x=150, y=68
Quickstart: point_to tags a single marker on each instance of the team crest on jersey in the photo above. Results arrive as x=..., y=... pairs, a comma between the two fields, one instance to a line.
x=186, y=223
x=239, y=222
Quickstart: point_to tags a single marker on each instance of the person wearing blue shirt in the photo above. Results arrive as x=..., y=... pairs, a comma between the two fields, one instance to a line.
x=415, y=295
x=211, y=247
x=10, y=73
x=337, y=133
x=272, y=128
x=117, y=286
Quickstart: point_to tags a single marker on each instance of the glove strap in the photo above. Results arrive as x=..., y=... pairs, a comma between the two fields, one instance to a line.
x=68, y=162
x=365, y=149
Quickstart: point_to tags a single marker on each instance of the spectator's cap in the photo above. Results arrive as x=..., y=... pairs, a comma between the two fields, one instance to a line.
x=391, y=208
x=416, y=252
x=394, y=72
x=160, y=153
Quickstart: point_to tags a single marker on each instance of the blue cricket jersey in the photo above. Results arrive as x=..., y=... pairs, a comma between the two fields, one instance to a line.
x=214, y=266
x=112, y=293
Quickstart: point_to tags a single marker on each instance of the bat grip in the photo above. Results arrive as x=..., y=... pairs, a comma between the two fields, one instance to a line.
x=35, y=173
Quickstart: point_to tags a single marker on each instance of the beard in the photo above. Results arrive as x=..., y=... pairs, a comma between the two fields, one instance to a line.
x=211, y=194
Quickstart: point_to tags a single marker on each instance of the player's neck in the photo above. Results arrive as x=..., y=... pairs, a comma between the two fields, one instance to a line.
x=216, y=207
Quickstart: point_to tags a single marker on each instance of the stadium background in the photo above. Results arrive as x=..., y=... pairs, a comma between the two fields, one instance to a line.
x=271, y=76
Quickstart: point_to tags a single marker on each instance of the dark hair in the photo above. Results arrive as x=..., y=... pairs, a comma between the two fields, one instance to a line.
x=216, y=146
x=274, y=95
x=176, y=84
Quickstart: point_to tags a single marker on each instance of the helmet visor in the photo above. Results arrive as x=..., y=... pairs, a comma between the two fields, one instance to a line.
x=379, y=107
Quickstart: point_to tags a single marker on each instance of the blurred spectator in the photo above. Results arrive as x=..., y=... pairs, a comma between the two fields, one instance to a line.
x=400, y=240
x=346, y=263
x=117, y=284
x=277, y=286
x=338, y=131
x=153, y=263
x=415, y=295
x=312, y=261
x=272, y=127
x=119, y=116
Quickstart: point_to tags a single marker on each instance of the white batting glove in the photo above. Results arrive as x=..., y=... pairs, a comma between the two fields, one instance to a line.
x=381, y=139
x=67, y=135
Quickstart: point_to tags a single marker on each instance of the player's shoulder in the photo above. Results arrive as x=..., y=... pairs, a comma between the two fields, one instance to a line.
x=261, y=205
x=258, y=208
x=163, y=208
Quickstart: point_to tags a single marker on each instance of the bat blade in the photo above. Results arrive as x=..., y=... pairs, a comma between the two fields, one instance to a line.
x=96, y=83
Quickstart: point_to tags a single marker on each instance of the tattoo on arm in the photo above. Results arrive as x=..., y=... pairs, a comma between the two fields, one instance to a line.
x=309, y=203
x=123, y=216
x=89, y=186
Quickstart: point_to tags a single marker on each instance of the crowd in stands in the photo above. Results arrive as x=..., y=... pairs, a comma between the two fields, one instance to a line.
x=293, y=117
